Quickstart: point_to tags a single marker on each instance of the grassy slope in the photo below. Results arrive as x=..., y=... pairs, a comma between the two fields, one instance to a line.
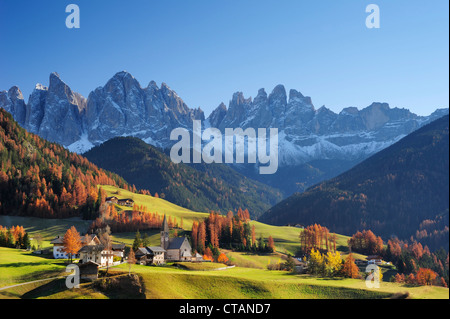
x=157, y=205
x=247, y=283
x=257, y=283
x=286, y=238
x=17, y=266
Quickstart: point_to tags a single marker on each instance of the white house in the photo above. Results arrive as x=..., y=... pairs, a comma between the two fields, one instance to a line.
x=374, y=260
x=97, y=254
x=58, y=246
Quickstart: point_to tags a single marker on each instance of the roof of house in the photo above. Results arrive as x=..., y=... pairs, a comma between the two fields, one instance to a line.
x=176, y=243
x=148, y=250
x=57, y=240
x=141, y=251
x=373, y=257
x=92, y=248
x=87, y=239
x=125, y=200
x=118, y=246
x=88, y=263
x=84, y=239
x=156, y=249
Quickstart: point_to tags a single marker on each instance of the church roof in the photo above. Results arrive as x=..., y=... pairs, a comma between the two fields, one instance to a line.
x=176, y=243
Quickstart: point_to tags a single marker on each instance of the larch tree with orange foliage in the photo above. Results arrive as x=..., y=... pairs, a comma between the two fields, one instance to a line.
x=72, y=242
x=271, y=244
x=425, y=277
x=208, y=255
x=349, y=269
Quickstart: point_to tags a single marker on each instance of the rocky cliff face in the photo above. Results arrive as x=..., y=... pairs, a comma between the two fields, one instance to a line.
x=12, y=101
x=123, y=108
x=120, y=108
x=54, y=113
x=307, y=134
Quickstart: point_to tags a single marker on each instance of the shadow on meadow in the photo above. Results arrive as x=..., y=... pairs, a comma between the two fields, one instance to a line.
x=46, y=290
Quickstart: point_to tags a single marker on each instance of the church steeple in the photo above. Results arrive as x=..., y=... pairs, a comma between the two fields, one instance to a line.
x=165, y=225
x=165, y=234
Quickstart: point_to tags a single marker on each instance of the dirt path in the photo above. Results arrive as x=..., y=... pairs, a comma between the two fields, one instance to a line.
x=30, y=282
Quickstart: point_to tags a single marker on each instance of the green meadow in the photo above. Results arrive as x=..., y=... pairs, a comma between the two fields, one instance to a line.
x=235, y=283
x=170, y=281
x=17, y=266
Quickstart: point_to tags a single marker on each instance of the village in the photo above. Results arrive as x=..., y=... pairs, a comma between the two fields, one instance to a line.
x=94, y=254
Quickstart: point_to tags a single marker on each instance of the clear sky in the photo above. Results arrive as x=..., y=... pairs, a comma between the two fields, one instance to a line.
x=207, y=50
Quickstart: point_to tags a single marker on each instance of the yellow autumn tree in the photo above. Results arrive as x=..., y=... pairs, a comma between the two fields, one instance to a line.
x=316, y=263
x=333, y=264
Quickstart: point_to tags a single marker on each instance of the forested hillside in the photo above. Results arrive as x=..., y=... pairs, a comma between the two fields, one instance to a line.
x=401, y=191
x=203, y=188
x=43, y=179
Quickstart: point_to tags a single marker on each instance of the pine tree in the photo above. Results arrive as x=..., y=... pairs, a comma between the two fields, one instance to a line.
x=137, y=241
x=26, y=241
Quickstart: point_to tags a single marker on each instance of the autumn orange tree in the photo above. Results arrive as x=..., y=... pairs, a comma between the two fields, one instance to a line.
x=208, y=255
x=222, y=258
x=366, y=242
x=349, y=269
x=271, y=244
x=317, y=237
x=425, y=277
x=72, y=242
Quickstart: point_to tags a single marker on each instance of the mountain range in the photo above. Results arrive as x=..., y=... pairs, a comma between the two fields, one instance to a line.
x=314, y=144
x=401, y=191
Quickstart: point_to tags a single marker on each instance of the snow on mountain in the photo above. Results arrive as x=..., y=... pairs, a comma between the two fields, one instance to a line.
x=123, y=108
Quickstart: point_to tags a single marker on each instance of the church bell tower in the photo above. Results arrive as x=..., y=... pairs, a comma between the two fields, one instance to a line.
x=165, y=234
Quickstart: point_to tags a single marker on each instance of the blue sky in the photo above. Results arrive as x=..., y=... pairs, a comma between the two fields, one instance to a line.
x=207, y=50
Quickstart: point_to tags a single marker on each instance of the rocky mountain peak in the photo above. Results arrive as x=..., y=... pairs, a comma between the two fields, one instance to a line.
x=217, y=116
x=239, y=99
x=15, y=94
x=279, y=94
x=294, y=94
